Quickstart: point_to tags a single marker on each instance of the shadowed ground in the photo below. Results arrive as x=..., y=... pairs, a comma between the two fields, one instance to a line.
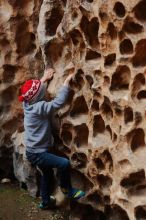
x=15, y=203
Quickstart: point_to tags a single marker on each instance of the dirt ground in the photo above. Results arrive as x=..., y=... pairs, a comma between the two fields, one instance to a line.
x=16, y=204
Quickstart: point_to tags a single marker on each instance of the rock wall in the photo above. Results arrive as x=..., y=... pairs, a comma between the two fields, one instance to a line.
x=103, y=123
x=20, y=59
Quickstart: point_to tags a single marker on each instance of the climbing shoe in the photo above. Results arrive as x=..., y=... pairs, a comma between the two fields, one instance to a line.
x=73, y=193
x=51, y=204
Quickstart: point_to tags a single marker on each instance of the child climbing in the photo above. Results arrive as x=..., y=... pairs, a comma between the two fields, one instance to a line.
x=38, y=136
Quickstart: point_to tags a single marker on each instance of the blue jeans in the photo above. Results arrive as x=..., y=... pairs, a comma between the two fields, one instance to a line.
x=45, y=162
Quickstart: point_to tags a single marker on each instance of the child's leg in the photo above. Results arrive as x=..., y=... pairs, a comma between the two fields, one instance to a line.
x=49, y=160
x=46, y=179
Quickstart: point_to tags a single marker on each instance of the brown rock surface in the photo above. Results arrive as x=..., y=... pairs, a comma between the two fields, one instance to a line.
x=103, y=124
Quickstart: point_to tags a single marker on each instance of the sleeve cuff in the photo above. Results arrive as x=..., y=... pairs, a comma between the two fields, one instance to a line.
x=66, y=87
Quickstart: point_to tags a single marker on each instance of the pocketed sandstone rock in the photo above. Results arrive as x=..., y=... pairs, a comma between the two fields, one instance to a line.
x=102, y=126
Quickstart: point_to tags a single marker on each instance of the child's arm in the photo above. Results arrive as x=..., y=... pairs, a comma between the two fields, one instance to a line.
x=45, y=108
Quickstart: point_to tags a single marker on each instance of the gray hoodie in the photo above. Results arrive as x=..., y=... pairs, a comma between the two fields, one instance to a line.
x=37, y=122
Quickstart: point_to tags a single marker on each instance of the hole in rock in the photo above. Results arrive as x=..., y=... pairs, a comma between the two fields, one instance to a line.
x=138, y=118
x=54, y=50
x=91, y=213
x=141, y=94
x=9, y=94
x=9, y=73
x=74, y=15
x=111, y=31
x=9, y=125
x=79, y=160
x=133, y=179
x=90, y=1
x=4, y=42
x=70, y=97
x=124, y=164
x=140, y=10
x=6, y=152
x=66, y=137
x=106, y=107
x=54, y=20
x=117, y=109
x=90, y=80
x=131, y=27
x=140, y=212
x=8, y=171
x=119, y=9
x=66, y=134
x=2, y=173
x=139, y=80
x=139, y=190
x=32, y=36
x=80, y=72
x=141, y=187
x=78, y=81
x=107, y=159
x=97, y=73
x=82, y=50
x=95, y=198
x=64, y=2
x=114, y=137
x=92, y=55
x=136, y=138
x=128, y=115
x=98, y=125
x=85, y=212
x=104, y=181
x=106, y=200
x=126, y=46
x=74, y=85
x=82, y=133
x=99, y=164
x=121, y=78
x=90, y=29
x=23, y=185
x=20, y=3
x=121, y=35
x=24, y=39
x=80, y=181
x=6, y=161
x=109, y=59
x=5, y=109
x=76, y=37
x=139, y=58
x=103, y=16
x=97, y=95
x=140, y=77
x=1, y=110
x=115, y=212
x=106, y=80
x=7, y=138
x=108, y=128
x=95, y=105
x=79, y=107
x=64, y=149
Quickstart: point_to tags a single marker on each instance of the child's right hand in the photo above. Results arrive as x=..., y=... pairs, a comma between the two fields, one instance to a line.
x=67, y=80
